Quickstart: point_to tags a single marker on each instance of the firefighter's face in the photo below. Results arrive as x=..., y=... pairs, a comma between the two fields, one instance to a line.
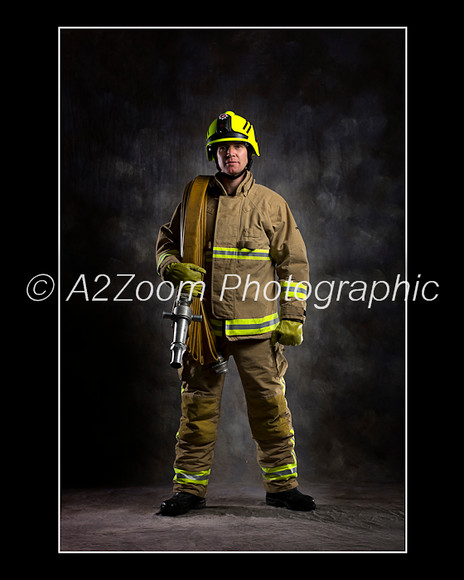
x=232, y=157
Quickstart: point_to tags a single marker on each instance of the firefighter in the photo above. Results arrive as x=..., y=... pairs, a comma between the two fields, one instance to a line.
x=254, y=297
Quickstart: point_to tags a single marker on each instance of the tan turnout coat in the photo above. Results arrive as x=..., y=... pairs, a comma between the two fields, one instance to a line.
x=255, y=259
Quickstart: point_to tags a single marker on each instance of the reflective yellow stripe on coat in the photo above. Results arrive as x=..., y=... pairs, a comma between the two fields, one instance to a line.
x=291, y=290
x=251, y=326
x=245, y=326
x=241, y=254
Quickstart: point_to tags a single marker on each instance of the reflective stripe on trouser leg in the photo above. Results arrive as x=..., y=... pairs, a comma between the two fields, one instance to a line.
x=278, y=463
x=285, y=472
x=198, y=477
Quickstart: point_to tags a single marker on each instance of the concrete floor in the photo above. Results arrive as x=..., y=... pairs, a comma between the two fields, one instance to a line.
x=349, y=518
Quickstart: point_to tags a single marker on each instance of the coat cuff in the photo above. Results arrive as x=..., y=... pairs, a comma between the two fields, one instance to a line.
x=165, y=259
x=293, y=311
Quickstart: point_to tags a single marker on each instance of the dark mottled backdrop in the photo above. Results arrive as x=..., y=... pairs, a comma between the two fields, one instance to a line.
x=328, y=107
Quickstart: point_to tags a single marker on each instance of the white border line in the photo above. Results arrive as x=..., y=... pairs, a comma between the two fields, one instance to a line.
x=405, y=28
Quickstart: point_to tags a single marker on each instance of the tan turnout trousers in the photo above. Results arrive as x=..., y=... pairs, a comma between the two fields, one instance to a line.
x=261, y=367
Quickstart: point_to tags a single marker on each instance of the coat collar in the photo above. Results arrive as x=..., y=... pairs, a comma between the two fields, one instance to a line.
x=243, y=188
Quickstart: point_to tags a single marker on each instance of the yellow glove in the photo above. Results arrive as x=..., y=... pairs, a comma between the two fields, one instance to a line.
x=288, y=332
x=178, y=272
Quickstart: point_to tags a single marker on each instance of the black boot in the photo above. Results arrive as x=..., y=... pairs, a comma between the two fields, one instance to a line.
x=181, y=503
x=292, y=500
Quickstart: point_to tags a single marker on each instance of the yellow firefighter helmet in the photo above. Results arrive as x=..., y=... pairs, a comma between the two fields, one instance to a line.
x=230, y=127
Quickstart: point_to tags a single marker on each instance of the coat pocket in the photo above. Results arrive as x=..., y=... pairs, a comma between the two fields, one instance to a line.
x=252, y=244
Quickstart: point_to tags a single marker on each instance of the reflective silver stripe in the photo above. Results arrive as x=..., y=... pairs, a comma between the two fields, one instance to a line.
x=247, y=326
x=200, y=477
x=241, y=254
x=285, y=472
x=192, y=476
x=297, y=290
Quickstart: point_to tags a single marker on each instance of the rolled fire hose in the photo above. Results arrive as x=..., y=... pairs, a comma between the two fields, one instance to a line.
x=200, y=334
